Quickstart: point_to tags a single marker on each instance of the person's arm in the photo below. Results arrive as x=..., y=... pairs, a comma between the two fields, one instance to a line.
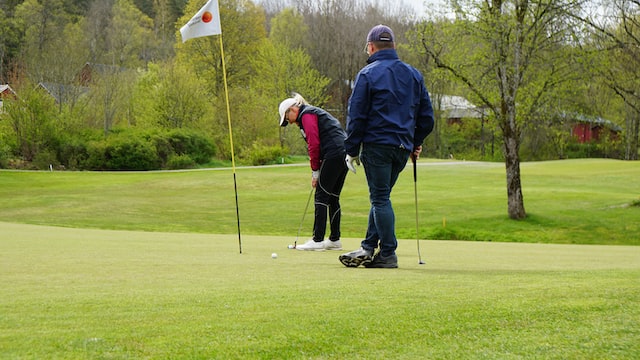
x=424, y=119
x=357, y=115
x=310, y=125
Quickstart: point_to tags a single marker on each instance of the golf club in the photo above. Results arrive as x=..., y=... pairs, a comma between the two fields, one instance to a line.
x=303, y=215
x=415, y=193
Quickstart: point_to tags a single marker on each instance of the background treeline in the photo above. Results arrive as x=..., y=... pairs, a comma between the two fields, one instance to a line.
x=108, y=84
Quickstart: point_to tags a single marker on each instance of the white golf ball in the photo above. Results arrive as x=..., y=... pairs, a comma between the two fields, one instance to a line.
x=274, y=256
x=290, y=246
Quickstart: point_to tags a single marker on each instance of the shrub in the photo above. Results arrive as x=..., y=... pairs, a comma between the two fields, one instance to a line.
x=127, y=149
x=44, y=159
x=184, y=142
x=4, y=156
x=263, y=155
x=73, y=154
x=122, y=152
x=180, y=162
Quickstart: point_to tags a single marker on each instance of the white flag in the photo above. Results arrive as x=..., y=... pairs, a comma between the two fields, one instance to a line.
x=206, y=22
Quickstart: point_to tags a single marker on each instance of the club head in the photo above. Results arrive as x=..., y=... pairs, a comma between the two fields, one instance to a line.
x=421, y=262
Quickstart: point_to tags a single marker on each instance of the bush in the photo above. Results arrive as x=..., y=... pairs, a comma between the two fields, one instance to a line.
x=196, y=146
x=73, y=154
x=4, y=156
x=122, y=152
x=184, y=142
x=263, y=155
x=43, y=160
x=134, y=150
x=180, y=162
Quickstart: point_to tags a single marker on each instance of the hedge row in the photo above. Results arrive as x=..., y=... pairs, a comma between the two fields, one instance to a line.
x=133, y=150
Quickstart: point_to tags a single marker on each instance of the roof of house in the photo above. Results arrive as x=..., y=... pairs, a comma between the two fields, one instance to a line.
x=458, y=107
x=6, y=88
x=592, y=119
x=61, y=91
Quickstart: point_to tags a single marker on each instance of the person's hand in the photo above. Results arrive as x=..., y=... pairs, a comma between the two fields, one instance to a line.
x=350, y=160
x=415, y=155
x=315, y=175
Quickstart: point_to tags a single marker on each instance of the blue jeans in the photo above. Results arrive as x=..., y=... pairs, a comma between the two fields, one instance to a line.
x=382, y=166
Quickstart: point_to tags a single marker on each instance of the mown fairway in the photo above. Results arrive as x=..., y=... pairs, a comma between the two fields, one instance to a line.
x=160, y=274
x=578, y=201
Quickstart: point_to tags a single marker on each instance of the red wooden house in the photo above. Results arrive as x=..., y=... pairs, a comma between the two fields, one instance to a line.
x=593, y=128
x=5, y=92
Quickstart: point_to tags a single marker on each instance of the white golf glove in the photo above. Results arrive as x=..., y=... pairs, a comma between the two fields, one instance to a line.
x=350, y=160
x=315, y=174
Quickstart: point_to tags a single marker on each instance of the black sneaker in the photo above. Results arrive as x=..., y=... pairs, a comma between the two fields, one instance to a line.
x=386, y=262
x=356, y=258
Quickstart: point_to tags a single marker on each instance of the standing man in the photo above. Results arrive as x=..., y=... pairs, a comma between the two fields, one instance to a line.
x=389, y=117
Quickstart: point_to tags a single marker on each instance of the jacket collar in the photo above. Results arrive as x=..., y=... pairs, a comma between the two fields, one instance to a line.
x=384, y=54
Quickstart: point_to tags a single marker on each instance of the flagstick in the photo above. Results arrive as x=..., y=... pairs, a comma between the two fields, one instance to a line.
x=233, y=161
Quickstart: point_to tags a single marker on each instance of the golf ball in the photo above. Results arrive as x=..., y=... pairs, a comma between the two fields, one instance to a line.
x=290, y=246
x=274, y=256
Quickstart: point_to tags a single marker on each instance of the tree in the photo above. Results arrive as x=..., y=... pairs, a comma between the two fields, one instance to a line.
x=243, y=29
x=32, y=119
x=170, y=97
x=439, y=82
x=130, y=36
x=164, y=27
x=281, y=71
x=615, y=30
x=511, y=37
x=108, y=99
x=9, y=43
x=43, y=43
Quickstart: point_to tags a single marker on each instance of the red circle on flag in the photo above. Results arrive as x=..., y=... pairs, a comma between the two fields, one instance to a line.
x=207, y=17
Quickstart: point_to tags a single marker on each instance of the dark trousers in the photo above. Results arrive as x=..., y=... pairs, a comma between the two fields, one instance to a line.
x=382, y=166
x=327, y=200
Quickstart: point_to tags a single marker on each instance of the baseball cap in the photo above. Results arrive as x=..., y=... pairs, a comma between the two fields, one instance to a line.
x=284, y=106
x=380, y=33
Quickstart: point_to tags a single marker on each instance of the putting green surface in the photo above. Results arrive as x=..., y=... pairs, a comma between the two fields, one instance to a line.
x=77, y=293
x=225, y=249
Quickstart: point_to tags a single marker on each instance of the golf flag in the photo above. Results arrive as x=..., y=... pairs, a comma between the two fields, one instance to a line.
x=204, y=23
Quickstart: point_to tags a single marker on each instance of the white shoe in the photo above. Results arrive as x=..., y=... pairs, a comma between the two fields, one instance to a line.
x=312, y=246
x=332, y=245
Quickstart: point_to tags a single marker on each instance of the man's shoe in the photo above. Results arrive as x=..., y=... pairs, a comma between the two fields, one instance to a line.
x=332, y=245
x=311, y=246
x=385, y=262
x=356, y=258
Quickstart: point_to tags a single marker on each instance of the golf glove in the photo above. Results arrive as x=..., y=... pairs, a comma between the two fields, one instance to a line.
x=350, y=162
x=315, y=174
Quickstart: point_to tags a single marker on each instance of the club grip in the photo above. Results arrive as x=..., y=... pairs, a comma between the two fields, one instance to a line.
x=415, y=174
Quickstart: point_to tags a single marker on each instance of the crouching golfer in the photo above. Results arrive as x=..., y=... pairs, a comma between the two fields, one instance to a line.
x=325, y=143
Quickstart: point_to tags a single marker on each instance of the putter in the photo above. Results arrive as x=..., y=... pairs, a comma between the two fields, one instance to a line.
x=415, y=193
x=295, y=243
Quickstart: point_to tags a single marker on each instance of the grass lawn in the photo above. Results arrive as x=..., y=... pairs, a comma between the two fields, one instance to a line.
x=104, y=294
x=578, y=201
x=147, y=266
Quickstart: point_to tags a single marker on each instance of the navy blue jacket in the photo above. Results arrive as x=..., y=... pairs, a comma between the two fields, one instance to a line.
x=389, y=105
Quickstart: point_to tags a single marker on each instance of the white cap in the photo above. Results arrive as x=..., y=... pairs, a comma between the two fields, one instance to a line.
x=284, y=106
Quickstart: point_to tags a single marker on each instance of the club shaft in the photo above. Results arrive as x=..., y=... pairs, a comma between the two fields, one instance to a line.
x=303, y=216
x=415, y=194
